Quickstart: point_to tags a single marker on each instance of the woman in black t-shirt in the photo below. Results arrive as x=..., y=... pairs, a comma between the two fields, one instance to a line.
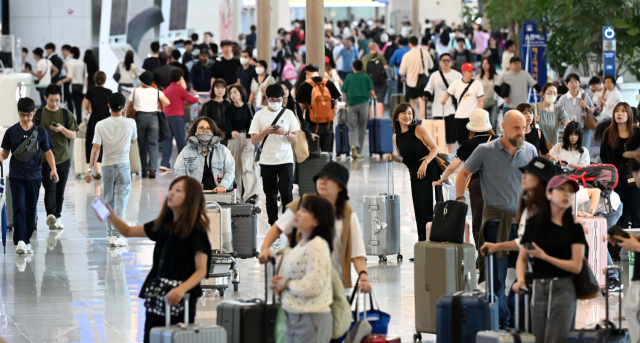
x=215, y=108
x=531, y=133
x=181, y=254
x=96, y=103
x=557, y=245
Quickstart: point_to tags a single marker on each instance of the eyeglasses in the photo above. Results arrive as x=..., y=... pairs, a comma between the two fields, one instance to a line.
x=53, y=101
x=25, y=115
x=204, y=129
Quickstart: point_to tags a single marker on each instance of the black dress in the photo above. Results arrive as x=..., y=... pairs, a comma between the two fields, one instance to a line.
x=538, y=141
x=412, y=151
x=99, y=99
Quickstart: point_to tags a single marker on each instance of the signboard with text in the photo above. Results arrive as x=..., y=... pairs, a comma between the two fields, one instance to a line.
x=609, y=50
x=533, y=43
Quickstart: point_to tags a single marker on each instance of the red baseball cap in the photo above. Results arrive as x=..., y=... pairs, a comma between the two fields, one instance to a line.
x=468, y=67
x=560, y=180
x=326, y=60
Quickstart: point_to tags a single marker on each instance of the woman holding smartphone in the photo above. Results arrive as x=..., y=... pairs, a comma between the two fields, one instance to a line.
x=181, y=255
x=557, y=245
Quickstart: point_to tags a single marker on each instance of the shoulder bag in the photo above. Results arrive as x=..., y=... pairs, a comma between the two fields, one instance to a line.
x=131, y=111
x=29, y=147
x=442, y=160
x=423, y=79
x=163, y=125
x=301, y=147
x=457, y=102
x=446, y=84
x=258, y=151
x=590, y=121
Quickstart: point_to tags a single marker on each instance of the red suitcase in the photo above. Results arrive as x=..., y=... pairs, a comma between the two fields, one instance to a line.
x=381, y=338
x=596, y=234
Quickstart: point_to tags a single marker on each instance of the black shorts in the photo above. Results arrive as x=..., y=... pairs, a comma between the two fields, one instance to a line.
x=381, y=90
x=414, y=92
x=462, y=133
x=450, y=129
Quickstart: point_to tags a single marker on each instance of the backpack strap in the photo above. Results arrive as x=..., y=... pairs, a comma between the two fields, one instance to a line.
x=38, y=116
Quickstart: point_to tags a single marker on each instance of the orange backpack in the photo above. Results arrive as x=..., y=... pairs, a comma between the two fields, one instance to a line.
x=321, y=110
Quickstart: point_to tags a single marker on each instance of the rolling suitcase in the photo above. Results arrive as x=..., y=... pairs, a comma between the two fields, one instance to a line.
x=380, y=134
x=244, y=229
x=510, y=336
x=433, y=264
x=79, y=157
x=597, y=240
x=226, y=198
x=185, y=332
x=251, y=321
x=310, y=167
x=461, y=315
x=606, y=333
x=397, y=99
x=381, y=227
x=342, y=134
x=134, y=158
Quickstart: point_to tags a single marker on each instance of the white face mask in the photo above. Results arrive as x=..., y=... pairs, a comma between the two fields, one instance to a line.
x=243, y=60
x=259, y=70
x=276, y=106
x=550, y=99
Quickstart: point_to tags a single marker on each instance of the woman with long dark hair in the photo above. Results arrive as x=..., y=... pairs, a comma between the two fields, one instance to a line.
x=96, y=103
x=557, y=245
x=92, y=67
x=181, y=255
x=570, y=152
x=218, y=103
x=532, y=134
x=488, y=77
x=622, y=136
x=128, y=72
x=416, y=149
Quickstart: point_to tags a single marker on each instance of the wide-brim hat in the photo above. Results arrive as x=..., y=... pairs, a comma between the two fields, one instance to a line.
x=479, y=120
x=336, y=172
x=146, y=78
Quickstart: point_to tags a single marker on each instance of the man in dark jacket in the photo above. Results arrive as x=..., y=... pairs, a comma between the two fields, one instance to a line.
x=175, y=61
x=161, y=73
x=201, y=73
x=50, y=49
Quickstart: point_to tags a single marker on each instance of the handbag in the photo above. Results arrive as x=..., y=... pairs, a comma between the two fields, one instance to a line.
x=423, y=79
x=360, y=327
x=131, y=111
x=258, y=151
x=155, y=293
x=448, y=222
x=505, y=89
x=301, y=147
x=378, y=320
x=587, y=286
x=590, y=121
x=442, y=160
x=28, y=148
x=163, y=125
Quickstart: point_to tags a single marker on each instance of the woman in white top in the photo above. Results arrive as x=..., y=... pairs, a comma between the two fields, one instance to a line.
x=304, y=285
x=145, y=102
x=570, y=153
x=78, y=75
x=259, y=86
x=332, y=74
x=128, y=71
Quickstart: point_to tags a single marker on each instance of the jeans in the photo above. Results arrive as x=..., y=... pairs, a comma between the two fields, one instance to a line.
x=24, y=197
x=314, y=327
x=77, y=104
x=116, y=181
x=42, y=100
x=357, y=117
x=148, y=134
x=277, y=178
x=493, y=115
x=586, y=138
x=176, y=124
x=553, y=309
x=500, y=266
x=54, y=192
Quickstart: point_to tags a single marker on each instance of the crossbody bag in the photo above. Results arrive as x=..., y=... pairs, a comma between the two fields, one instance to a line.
x=453, y=98
x=457, y=102
x=259, y=147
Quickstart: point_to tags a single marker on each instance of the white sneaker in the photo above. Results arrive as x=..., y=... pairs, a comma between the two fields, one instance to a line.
x=28, y=249
x=120, y=242
x=21, y=248
x=51, y=221
x=21, y=262
x=59, y=224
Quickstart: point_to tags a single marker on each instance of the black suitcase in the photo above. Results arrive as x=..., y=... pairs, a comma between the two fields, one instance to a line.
x=251, y=321
x=244, y=229
x=310, y=167
x=608, y=332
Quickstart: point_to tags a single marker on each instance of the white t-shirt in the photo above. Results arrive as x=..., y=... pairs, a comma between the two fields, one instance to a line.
x=44, y=65
x=127, y=76
x=285, y=223
x=573, y=156
x=584, y=202
x=277, y=149
x=506, y=60
x=77, y=71
x=115, y=135
x=146, y=99
x=437, y=87
x=470, y=99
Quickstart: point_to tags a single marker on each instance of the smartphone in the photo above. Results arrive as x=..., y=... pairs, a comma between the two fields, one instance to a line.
x=276, y=127
x=55, y=178
x=55, y=124
x=101, y=209
x=529, y=246
x=616, y=230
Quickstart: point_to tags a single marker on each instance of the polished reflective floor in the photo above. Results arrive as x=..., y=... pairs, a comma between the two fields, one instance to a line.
x=76, y=289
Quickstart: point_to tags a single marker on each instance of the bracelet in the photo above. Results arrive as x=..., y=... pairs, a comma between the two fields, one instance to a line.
x=363, y=272
x=463, y=198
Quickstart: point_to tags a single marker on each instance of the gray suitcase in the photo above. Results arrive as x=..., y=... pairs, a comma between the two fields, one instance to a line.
x=381, y=229
x=226, y=198
x=433, y=266
x=187, y=333
x=310, y=167
x=244, y=229
x=510, y=336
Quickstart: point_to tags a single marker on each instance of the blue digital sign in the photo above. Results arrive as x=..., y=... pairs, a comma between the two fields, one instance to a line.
x=609, y=50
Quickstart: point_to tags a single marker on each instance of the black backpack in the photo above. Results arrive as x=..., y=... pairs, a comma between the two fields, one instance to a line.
x=375, y=69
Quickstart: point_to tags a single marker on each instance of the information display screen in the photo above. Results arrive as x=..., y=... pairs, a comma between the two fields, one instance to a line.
x=178, y=16
x=119, y=13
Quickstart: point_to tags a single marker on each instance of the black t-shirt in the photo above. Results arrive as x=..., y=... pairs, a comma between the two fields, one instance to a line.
x=184, y=69
x=536, y=138
x=303, y=96
x=99, y=99
x=226, y=70
x=178, y=258
x=470, y=145
x=238, y=118
x=556, y=242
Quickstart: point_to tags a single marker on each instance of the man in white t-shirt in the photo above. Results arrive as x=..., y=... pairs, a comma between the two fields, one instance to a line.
x=43, y=72
x=469, y=95
x=509, y=52
x=436, y=89
x=115, y=134
x=276, y=159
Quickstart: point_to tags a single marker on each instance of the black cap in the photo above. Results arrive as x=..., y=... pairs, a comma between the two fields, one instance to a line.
x=541, y=167
x=336, y=172
x=117, y=102
x=146, y=78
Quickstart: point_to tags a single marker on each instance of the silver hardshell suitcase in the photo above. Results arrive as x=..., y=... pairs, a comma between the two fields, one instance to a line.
x=187, y=333
x=381, y=228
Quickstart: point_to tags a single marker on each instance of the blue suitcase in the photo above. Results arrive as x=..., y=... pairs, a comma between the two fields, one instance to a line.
x=380, y=134
x=342, y=134
x=461, y=315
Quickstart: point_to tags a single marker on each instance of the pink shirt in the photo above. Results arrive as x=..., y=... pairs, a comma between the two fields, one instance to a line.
x=481, y=40
x=177, y=96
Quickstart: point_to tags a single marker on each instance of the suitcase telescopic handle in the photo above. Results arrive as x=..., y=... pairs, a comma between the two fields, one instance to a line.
x=167, y=311
x=488, y=276
x=526, y=310
x=272, y=261
x=390, y=186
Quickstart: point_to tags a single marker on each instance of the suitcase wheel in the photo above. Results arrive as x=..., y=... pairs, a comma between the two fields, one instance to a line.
x=399, y=258
x=417, y=337
x=382, y=258
x=221, y=290
x=235, y=286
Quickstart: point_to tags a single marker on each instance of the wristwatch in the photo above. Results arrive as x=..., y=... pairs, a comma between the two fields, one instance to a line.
x=89, y=170
x=592, y=211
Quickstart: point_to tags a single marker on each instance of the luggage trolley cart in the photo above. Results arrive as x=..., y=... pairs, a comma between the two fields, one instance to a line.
x=223, y=262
